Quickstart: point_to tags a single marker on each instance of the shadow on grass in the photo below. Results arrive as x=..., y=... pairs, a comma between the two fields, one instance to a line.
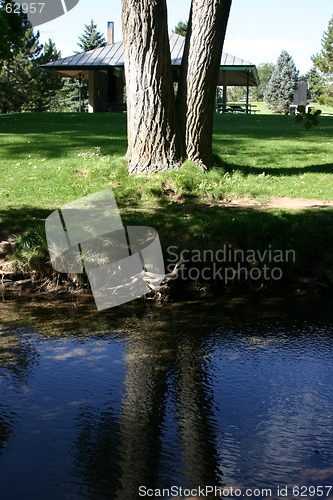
x=300, y=243
x=57, y=134
x=272, y=171
x=18, y=221
x=269, y=126
x=36, y=123
x=64, y=135
x=196, y=228
x=64, y=147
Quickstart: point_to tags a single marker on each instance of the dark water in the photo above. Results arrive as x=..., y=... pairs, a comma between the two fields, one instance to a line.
x=95, y=405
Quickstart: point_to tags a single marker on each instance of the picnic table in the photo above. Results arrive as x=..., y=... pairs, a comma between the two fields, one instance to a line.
x=116, y=107
x=235, y=108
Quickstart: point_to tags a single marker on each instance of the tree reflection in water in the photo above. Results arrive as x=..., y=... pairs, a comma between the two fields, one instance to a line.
x=166, y=395
x=195, y=401
x=96, y=451
x=17, y=359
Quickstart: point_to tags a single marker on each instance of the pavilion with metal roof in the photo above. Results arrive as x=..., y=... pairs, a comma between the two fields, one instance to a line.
x=104, y=68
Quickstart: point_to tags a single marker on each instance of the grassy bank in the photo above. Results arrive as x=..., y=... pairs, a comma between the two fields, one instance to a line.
x=47, y=160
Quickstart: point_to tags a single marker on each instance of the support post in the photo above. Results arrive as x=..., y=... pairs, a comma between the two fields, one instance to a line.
x=91, y=104
x=80, y=105
x=247, y=91
x=225, y=87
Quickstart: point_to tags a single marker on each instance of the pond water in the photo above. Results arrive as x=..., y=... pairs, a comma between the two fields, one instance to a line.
x=230, y=394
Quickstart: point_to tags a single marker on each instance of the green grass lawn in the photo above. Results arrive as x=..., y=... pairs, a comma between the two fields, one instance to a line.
x=324, y=109
x=47, y=160
x=269, y=155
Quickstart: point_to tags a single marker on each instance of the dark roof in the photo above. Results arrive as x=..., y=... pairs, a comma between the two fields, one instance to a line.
x=112, y=57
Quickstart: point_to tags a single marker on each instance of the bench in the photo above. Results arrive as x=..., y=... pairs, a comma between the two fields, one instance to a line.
x=236, y=109
x=116, y=107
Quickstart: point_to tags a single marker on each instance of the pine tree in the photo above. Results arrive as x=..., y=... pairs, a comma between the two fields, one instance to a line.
x=13, y=29
x=282, y=85
x=70, y=95
x=324, y=63
x=180, y=28
x=16, y=71
x=316, y=86
x=23, y=85
x=91, y=38
x=44, y=87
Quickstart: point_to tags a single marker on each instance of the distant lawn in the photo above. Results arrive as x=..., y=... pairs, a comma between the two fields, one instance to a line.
x=47, y=160
x=262, y=108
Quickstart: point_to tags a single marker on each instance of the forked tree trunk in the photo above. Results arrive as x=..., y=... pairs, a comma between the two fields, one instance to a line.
x=154, y=142
x=199, y=76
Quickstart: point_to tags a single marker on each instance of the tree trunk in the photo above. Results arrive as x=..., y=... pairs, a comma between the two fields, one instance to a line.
x=154, y=142
x=199, y=76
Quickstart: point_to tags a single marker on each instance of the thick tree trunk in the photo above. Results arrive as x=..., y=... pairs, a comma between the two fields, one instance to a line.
x=199, y=76
x=154, y=142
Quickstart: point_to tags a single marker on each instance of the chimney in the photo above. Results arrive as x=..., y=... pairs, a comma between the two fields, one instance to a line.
x=110, y=32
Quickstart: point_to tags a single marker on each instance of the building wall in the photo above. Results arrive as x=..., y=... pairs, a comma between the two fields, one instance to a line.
x=98, y=91
x=105, y=88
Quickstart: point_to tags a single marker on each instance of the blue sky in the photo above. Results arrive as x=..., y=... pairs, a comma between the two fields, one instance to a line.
x=258, y=30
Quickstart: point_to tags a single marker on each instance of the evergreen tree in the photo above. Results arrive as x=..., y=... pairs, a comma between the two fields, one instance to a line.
x=70, y=98
x=13, y=29
x=265, y=71
x=180, y=28
x=91, y=38
x=15, y=72
x=282, y=85
x=324, y=63
x=23, y=85
x=316, y=86
x=44, y=87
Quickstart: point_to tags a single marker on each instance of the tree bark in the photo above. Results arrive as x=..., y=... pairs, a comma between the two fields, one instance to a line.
x=154, y=142
x=199, y=76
